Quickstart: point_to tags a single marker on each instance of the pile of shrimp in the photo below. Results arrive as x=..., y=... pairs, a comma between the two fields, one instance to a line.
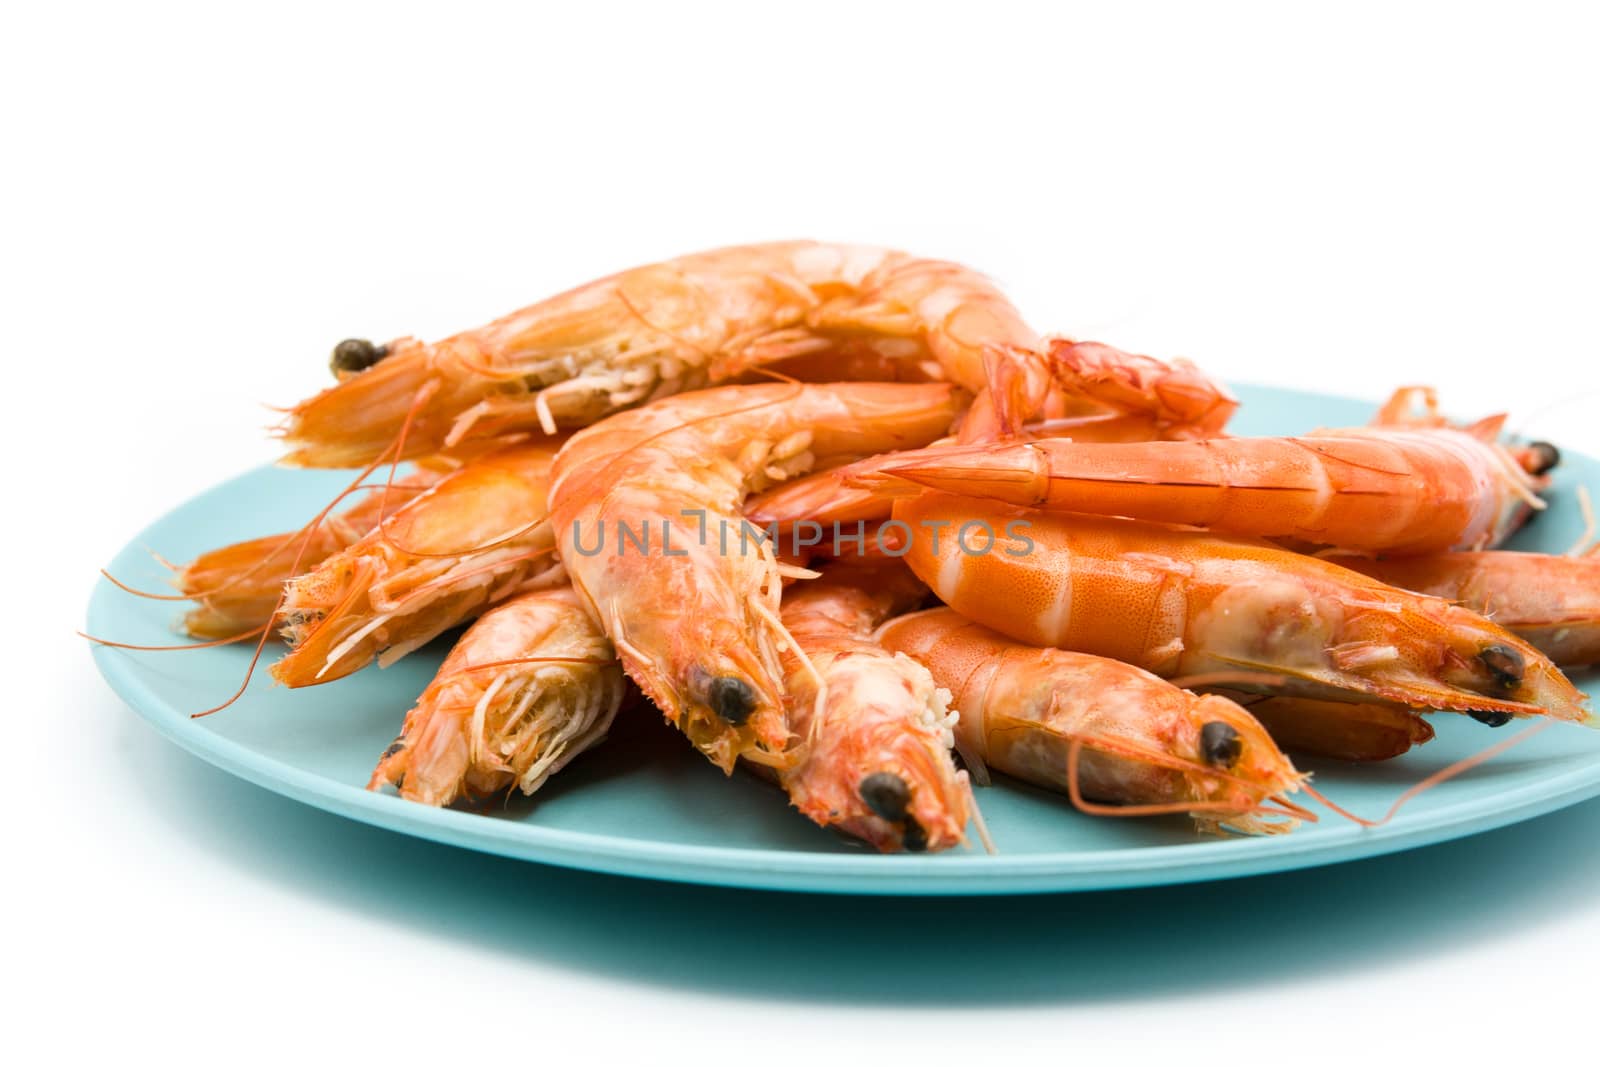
x=842, y=517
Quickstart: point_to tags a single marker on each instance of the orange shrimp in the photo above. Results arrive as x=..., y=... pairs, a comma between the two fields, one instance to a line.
x=237, y=587
x=478, y=536
x=1552, y=602
x=1181, y=603
x=1383, y=489
x=1098, y=729
x=653, y=331
x=529, y=687
x=875, y=760
x=646, y=508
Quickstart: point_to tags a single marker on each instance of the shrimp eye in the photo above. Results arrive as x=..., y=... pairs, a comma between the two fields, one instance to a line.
x=913, y=837
x=1220, y=744
x=731, y=698
x=1542, y=457
x=1505, y=664
x=1491, y=719
x=392, y=749
x=886, y=794
x=356, y=355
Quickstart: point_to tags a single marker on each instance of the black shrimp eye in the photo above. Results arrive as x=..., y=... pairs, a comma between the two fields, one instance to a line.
x=913, y=837
x=1505, y=664
x=1491, y=719
x=355, y=355
x=1220, y=744
x=392, y=749
x=1543, y=457
x=731, y=698
x=886, y=794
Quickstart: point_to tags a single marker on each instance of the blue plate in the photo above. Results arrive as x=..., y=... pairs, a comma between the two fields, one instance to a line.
x=645, y=804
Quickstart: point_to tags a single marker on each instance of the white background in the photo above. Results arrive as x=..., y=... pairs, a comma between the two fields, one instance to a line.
x=198, y=203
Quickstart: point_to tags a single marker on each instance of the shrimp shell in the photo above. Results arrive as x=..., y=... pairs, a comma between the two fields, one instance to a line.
x=654, y=331
x=1143, y=741
x=1180, y=602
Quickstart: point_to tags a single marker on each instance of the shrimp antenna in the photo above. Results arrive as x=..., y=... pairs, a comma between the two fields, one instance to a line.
x=422, y=396
x=455, y=576
x=978, y=825
x=698, y=420
x=283, y=542
x=778, y=376
x=305, y=532
x=496, y=542
x=1585, y=543
x=235, y=639
x=1089, y=807
x=126, y=588
x=1436, y=778
x=522, y=661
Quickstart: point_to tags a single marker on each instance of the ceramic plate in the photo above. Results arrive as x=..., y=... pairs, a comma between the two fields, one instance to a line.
x=645, y=804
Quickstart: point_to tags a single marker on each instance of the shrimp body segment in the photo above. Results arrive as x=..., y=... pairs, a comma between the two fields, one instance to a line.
x=478, y=536
x=875, y=755
x=646, y=506
x=1365, y=490
x=1183, y=603
x=1143, y=741
x=662, y=329
x=1552, y=602
x=530, y=686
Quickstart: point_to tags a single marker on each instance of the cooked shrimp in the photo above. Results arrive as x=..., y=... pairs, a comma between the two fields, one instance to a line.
x=478, y=536
x=530, y=686
x=237, y=587
x=1552, y=602
x=1180, y=602
x=646, y=507
x=1098, y=729
x=653, y=331
x=1368, y=490
x=875, y=755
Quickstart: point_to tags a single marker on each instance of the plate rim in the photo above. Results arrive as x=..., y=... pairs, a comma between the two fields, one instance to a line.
x=843, y=873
